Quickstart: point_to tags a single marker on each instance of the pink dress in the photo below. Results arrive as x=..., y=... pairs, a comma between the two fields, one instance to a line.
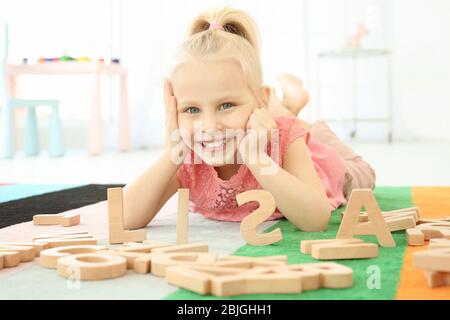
x=216, y=198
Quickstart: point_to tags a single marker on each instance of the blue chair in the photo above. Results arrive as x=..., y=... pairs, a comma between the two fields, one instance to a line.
x=8, y=103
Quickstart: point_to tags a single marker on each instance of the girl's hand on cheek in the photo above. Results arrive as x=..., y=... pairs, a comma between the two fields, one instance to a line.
x=173, y=138
x=259, y=126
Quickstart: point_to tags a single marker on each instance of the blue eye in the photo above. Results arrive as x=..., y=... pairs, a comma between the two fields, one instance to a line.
x=225, y=106
x=192, y=110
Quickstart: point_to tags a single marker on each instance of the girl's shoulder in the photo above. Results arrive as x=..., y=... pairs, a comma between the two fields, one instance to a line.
x=290, y=130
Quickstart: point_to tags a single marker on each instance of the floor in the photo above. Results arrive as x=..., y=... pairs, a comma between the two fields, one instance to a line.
x=399, y=164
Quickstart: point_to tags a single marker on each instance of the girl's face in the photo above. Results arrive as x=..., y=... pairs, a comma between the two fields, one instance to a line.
x=214, y=105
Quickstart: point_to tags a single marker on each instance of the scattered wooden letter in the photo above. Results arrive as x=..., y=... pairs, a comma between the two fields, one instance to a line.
x=196, y=278
x=10, y=259
x=183, y=216
x=426, y=231
x=433, y=260
x=38, y=246
x=49, y=257
x=376, y=225
x=163, y=260
x=334, y=249
x=62, y=239
x=26, y=253
x=227, y=281
x=137, y=261
x=439, y=244
x=65, y=220
x=437, y=279
x=251, y=262
x=393, y=214
x=66, y=235
x=57, y=242
x=428, y=220
x=401, y=223
x=332, y=275
x=190, y=247
x=117, y=234
x=256, y=281
x=396, y=220
x=11, y=255
x=92, y=266
x=265, y=210
x=142, y=247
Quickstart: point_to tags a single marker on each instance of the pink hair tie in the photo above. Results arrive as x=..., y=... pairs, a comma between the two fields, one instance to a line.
x=216, y=26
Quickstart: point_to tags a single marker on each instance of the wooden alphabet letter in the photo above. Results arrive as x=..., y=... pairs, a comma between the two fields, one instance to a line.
x=265, y=210
x=376, y=225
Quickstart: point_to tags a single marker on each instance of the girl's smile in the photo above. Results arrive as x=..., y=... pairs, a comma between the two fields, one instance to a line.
x=215, y=144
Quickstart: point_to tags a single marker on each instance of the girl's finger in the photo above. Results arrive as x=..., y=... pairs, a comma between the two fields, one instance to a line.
x=266, y=118
x=173, y=110
x=258, y=120
x=171, y=113
x=168, y=92
x=251, y=123
x=264, y=107
x=263, y=113
x=248, y=126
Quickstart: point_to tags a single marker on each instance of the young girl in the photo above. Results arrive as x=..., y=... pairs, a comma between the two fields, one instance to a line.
x=215, y=88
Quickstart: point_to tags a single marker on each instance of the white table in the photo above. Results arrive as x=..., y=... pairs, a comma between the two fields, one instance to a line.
x=97, y=69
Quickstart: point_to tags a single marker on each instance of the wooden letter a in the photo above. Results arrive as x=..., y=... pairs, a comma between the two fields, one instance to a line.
x=376, y=225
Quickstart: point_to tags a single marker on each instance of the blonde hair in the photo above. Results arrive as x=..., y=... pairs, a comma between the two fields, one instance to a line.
x=238, y=39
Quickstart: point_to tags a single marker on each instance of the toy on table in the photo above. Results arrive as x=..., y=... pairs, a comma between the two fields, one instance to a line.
x=354, y=42
x=67, y=58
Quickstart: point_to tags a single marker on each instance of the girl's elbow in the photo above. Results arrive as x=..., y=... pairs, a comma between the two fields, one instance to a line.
x=131, y=222
x=322, y=224
x=134, y=225
x=317, y=226
x=320, y=221
x=324, y=217
x=323, y=214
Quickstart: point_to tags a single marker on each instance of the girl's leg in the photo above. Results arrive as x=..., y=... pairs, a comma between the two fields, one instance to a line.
x=359, y=173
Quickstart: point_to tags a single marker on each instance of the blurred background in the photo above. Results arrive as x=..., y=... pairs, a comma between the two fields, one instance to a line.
x=377, y=71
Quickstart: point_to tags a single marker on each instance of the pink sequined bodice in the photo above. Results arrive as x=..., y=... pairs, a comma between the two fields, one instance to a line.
x=216, y=198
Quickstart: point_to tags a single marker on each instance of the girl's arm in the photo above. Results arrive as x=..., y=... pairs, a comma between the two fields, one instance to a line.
x=297, y=189
x=145, y=196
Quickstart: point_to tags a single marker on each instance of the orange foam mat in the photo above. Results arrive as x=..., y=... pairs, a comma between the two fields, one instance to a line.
x=433, y=202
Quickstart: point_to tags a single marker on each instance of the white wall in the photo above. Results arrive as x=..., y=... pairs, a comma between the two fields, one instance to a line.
x=421, y=31
x=329, y=25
